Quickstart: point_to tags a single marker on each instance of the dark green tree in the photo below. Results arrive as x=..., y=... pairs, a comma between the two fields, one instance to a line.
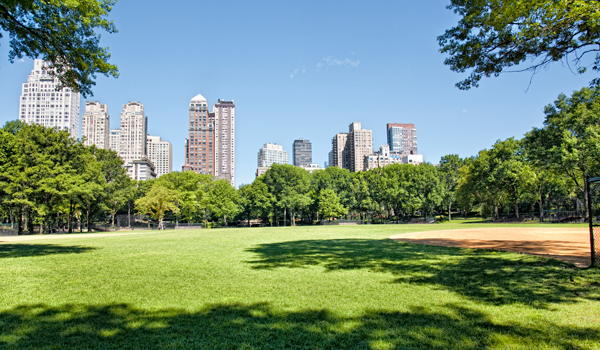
x=492, y=35
x=62, y=33
x=569, y=141
x=449, y=174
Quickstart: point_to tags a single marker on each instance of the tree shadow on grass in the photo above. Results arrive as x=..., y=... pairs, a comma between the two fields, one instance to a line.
x=29, y=250
x=262, y=326
x=488, y=276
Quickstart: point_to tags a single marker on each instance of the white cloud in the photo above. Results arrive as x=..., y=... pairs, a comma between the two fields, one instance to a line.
x=328, y=61
x=293, y=74
x=464, y=110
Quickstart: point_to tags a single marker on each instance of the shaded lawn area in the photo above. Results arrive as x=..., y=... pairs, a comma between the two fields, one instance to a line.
x=260, y=326
x=289, y=288
x=482, y=275
x=32, y=250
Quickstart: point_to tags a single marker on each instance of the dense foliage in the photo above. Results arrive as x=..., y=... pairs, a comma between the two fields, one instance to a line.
x=49, y=180
x=62, y=33
x=492, y=36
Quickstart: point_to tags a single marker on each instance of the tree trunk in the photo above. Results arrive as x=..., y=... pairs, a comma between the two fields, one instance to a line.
x=516, y=204
x=495, y=210
x=87, y=219
x=224, y=220
x=70, y=218
x=29, y=221
x=20, y=222
x=541, y=210
x=284, y=216
x=46, y=224
x=275, y=215
x=450, y=211
x=128, y=214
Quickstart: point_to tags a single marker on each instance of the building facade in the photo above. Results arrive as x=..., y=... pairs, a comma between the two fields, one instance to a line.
x=95, y=125
x=415, y=159
x=141, y=169
x=224, y=119
x=41, y=103
x=210, y=146
x=134, y=128
x=200, y=145
x=114, y=142
x=382, y=158
x=349, y=150
x=339, y=151
x=402, y=138
x=360, y=145
x=302, y=152
x=272, y=153
x=160, y=154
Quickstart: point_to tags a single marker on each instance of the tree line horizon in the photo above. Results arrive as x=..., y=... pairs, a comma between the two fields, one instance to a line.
x=48, y=179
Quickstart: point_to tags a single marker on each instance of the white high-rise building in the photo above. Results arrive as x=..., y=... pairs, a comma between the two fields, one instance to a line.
x=42, y=104
x=224, y=118
x=272, y=153
x=95, y=125
x=160, y=154
x=133, y=132
x=115, y=140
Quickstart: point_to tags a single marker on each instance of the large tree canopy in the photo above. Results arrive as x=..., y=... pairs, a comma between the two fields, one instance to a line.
x=493, y=35
x=62, y=33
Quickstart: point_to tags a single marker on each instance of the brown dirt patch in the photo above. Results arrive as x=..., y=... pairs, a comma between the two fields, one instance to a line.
x=566, y=244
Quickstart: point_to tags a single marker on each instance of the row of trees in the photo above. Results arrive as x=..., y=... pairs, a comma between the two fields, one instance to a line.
x=48, y=179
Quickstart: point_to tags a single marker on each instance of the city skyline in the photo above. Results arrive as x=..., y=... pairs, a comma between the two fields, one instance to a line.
x=372, y=63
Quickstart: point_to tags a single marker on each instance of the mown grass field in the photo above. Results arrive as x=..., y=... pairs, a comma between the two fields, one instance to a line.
x=333, y=287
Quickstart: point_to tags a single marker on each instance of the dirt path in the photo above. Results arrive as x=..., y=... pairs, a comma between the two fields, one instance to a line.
x=567, y=244
x=5, y=239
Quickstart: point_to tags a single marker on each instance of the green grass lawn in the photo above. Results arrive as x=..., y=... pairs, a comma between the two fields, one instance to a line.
x=326, y=287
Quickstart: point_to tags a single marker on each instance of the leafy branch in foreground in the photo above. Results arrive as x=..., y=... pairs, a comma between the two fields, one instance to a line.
x=494, y=35
x=62, y=33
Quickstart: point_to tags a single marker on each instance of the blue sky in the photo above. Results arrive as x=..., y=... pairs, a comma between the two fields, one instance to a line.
x=305, y=69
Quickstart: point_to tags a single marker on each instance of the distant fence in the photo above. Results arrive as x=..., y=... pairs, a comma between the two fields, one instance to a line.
x=547, y=216
x=402, y=220
x=8, y=230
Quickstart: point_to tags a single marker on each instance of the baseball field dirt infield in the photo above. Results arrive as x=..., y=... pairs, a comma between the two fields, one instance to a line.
x=566, y=244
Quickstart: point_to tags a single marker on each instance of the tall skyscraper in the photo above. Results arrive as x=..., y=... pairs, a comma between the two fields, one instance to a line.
x=224, y=119
x=42, y=104
x=95, y=125
x=339, y=152
x=115, y=141
x=134, y=127
x=210, y=148
x=200, y=146
x=349, y=150
x=272, y=153
x=402, y=138
x=360, y=144
x=302, y=153
x=160, y=154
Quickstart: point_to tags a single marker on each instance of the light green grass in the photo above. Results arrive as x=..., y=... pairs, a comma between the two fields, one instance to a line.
x=333, y=287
